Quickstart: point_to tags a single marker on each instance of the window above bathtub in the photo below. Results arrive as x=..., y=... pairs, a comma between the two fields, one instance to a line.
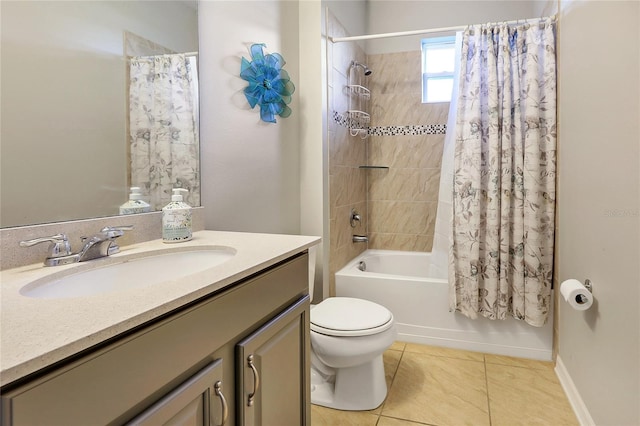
x=438, y=65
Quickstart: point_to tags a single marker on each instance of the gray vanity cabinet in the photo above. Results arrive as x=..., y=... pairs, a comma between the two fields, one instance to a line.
x=179, y=368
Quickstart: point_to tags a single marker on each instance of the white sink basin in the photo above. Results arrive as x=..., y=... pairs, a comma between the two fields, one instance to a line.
x=124, y=273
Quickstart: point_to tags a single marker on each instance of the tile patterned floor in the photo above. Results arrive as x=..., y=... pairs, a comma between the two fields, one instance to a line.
x=447, y=387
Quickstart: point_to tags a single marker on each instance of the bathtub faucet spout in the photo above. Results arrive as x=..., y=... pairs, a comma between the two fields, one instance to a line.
x=360, y=239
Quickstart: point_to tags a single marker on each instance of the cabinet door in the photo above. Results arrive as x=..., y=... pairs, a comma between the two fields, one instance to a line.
x=198, y=401
x=273, y=371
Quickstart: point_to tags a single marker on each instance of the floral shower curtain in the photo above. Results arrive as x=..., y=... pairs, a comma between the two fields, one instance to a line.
x=163, y=127
x=505, y=159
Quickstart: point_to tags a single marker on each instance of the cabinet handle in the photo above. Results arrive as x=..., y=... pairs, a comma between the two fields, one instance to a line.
x=256, y=380
x=225, y=407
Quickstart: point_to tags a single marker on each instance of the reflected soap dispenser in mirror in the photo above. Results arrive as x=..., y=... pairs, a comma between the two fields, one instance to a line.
x=135, y=204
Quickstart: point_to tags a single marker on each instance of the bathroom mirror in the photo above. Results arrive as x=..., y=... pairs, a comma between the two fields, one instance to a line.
x=76, y=133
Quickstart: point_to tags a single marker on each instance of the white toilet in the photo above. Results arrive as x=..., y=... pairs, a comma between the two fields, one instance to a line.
x=348, y=337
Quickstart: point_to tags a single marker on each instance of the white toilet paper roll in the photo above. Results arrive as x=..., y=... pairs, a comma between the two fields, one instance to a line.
x=576, y=294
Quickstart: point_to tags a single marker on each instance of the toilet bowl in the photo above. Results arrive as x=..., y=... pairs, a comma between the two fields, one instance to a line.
x=348, y=337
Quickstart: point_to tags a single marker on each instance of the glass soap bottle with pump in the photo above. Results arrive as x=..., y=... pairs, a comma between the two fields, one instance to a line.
x=135, y=204
x=176, y=219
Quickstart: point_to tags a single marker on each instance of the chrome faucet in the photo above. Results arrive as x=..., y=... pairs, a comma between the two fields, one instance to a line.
x=354, y=218
x=360, y=239
x=99, y=245
x=59, y=249
x=103, y=243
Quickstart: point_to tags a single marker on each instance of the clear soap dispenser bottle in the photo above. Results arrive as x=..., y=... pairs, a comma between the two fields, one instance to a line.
x=176, y=219
x=135, y=204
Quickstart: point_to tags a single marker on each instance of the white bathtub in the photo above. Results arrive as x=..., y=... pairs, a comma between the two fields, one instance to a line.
x=402, y=281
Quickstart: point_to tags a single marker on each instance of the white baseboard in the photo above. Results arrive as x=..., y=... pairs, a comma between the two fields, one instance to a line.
x=579, y=408
x=408, y=334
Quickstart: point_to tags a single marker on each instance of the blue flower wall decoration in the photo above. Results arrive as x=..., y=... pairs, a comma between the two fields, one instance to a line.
x=269, y=84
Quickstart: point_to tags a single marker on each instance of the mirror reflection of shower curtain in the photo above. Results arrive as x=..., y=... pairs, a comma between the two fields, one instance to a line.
x=163, y=127
x=442, y=237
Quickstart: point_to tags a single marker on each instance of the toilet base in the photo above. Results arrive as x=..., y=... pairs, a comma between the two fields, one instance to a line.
x=358, y=388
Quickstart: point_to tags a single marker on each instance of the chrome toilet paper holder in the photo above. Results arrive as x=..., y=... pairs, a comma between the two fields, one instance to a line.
x=581, y=298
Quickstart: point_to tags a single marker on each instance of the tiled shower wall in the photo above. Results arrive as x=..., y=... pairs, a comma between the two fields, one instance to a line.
x=347, y=183
x=402, y=200
x=398, y=205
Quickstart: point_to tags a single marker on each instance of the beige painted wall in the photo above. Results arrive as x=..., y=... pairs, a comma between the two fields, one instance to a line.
x=314, y=210
x=257, y=176
x=599, y=203
x=250, y=169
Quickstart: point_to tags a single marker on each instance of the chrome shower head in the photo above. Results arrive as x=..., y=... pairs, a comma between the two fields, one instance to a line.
x=366, y=69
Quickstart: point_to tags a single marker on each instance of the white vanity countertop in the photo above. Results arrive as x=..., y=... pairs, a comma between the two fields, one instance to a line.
x=35, y=333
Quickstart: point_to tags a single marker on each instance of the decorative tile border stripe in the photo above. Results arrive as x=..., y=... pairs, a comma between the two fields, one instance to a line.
x=424, y=129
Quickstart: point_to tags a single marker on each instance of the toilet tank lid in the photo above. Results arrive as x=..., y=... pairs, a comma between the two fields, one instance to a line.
x=349, y=314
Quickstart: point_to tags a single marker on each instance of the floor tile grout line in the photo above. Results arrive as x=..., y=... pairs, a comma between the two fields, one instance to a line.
x=486, y=383
x=391, y=384
x=526, y=367
x=407, y=420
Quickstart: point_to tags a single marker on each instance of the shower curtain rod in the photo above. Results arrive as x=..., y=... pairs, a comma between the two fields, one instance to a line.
x=167, y=54
x=418, y=32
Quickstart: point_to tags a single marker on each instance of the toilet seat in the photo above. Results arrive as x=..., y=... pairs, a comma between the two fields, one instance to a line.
x=348, y=316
